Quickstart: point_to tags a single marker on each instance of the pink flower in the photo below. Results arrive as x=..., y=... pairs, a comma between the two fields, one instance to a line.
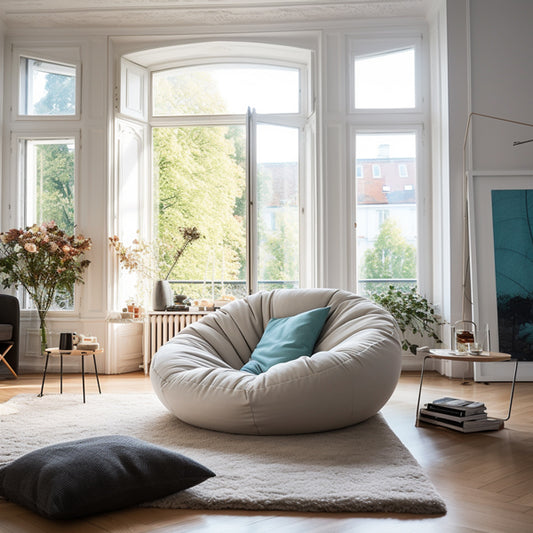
x=30, y=247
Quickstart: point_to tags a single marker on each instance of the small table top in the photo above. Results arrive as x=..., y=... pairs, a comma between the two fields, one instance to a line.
x=57, y=351
x=483, y=357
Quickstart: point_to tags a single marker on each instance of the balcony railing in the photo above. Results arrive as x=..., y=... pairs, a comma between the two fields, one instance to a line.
x=215, y=289
x=367, y=286
x=197, y=289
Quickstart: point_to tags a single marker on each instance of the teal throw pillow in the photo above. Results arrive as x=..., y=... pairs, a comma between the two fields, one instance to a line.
x=285, y=339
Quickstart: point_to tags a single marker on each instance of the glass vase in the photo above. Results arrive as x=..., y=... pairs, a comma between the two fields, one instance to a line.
x=43, y=332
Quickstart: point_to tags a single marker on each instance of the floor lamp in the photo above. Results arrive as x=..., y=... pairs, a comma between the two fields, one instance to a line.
x=466, y=289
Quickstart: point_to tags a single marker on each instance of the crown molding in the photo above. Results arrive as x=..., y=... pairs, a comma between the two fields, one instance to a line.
x=26, y=14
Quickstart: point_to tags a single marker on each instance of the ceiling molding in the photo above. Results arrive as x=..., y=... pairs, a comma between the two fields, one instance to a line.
x=26, y=14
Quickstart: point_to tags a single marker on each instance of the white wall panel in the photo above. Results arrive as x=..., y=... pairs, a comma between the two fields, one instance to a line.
x=502, y=77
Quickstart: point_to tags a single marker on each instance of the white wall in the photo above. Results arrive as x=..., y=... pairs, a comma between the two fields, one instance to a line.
x=481, y=50
x=458, y=60
x=485, y=49
x=98, y=55
x=501, y=37
x=91, y=187
x=2, y=38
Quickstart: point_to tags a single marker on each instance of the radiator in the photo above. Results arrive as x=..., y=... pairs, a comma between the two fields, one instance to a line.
x=162, y=327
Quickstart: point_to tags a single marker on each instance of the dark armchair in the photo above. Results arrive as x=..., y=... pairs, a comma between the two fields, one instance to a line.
x=9, y=334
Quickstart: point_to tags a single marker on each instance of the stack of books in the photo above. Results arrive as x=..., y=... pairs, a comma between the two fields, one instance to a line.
x=461, y=415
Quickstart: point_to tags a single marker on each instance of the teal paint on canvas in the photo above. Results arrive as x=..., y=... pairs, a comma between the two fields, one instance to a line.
x=512, y=219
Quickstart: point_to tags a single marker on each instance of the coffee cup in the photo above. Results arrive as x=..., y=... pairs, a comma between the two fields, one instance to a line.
x=66, y=341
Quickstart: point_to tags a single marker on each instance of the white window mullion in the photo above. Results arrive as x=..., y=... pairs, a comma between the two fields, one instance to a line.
x=251, y=181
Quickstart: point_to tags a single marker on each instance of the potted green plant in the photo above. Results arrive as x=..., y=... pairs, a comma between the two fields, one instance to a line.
x=416, y=317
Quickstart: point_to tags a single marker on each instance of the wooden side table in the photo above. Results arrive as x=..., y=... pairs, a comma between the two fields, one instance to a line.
x=484, y=357
x=69, y=353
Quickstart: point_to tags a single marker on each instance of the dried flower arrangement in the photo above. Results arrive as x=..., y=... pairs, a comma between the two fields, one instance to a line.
x=139, y=256
x=45, y=261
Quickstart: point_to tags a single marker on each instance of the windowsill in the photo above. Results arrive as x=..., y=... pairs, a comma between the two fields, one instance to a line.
x=30, y=313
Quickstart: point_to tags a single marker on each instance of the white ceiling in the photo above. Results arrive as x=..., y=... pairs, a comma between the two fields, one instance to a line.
x=137, y=13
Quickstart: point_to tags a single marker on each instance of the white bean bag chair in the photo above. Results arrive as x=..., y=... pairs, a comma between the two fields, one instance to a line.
x=350, y=376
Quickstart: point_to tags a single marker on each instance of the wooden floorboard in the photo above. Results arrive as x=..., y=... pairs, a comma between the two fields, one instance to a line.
x=486, y=479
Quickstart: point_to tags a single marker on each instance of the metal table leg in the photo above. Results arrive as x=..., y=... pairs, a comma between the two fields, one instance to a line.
x=512, y=391
x=44, y=373
x=420, y=390
x=96, y=373
x=60, y=373
x=83, y=375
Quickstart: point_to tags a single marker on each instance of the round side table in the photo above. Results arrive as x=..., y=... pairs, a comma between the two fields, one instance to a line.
x=483, y=357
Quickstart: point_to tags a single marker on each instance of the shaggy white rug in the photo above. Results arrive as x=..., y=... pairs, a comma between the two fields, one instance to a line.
x=363, y=468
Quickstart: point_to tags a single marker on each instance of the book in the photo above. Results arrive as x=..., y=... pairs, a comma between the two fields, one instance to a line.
x=453, y=412
x=456, y=406
x=465, y=426
x=445, y=416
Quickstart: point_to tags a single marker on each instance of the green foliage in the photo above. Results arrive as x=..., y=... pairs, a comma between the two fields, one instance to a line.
x=202, y=183
x=55, y=184
x=60, y=97
x=278, y=254
x=199, y=185
x=392, y=257
x=193, y=93
x=413, y=313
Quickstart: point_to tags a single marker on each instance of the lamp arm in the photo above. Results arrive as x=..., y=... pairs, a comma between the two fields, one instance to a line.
x=516, y=143
x=466, y=255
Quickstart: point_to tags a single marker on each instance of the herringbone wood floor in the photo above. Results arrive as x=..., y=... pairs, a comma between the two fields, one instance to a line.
x=486, y=479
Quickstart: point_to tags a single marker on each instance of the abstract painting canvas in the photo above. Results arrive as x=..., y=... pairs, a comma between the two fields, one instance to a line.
x=500, y=217
x=512, y=222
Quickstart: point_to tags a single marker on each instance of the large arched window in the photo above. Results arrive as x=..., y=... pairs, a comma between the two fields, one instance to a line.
x=226, y=126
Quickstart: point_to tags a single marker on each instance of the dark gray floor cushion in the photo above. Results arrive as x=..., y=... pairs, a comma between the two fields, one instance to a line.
x=83, y=477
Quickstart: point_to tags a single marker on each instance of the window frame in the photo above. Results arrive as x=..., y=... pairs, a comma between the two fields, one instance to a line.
x=302, y=79
x=18, y=164
x=422, y=189
x=369, y=47
x=22, y=156
x=300, y=120
x=42, y=127
x=363, y=121
x=69, y=57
